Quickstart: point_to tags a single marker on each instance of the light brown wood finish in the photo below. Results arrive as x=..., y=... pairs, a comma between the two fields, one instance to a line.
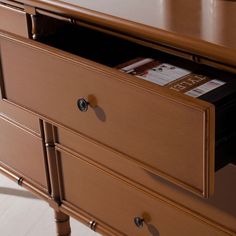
x=120, y=140
x=51, y=160
x=113, y=201
x=13, y=20
x=117, y=19
x=21, y=117
x=167, y=133
x=219, y=210
x=189, y=55
x=25, y=183
x=62, y=224
x=22, y=151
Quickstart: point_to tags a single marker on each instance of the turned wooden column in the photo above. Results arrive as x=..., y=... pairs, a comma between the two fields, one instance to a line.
x=62, y=224
x=62, y=220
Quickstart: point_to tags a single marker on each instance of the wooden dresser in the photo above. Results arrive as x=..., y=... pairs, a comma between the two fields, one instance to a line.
x=123, y=155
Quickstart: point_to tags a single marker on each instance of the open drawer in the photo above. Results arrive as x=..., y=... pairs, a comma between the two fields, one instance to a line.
x=165, y=132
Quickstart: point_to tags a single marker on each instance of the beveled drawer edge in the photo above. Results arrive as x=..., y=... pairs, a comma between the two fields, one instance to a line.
x=12, y=6
x=208, y=162
x=149, y=193
x=25, y=177
x=140, y=164
x=206, y=193
x=16, y=123
x=20, y=126
x=27, y=182
x=76, y=154
x=84, y=217
x=184, y=100
x=16, y=171
x=75, y=212
x=127, y=79
x=15, y=13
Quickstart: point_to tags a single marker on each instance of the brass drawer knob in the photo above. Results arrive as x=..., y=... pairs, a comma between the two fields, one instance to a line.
x=138, y=221
x=82, y=104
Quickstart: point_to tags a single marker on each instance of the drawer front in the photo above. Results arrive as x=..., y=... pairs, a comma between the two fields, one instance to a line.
x=21, y=117
x=220, y=208
x=23, y=152
x=113, y=202
x=170, y=135
x=13, y=21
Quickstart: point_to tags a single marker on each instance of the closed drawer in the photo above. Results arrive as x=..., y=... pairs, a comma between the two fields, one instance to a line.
x=112, y=202
x=220, y=208
x=23, y=152
x=21, y=117
x=169, y=134
x=13, y=20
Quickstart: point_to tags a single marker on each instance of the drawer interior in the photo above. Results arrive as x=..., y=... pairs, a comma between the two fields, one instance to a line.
x=111, y=51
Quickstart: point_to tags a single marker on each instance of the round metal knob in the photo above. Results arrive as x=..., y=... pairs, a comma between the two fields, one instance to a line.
x=82, y=104
x=93, y=225
x=138, y=221
x=20, y=181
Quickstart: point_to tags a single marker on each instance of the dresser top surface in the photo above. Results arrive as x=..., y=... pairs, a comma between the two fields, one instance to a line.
x=201, y=27
x=213, y=21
